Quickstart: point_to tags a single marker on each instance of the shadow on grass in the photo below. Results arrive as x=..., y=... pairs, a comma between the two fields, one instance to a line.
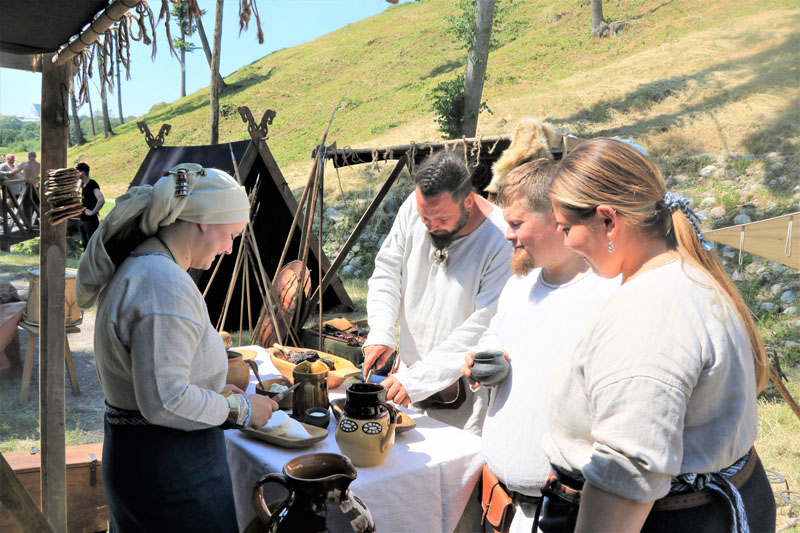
x=766, y=71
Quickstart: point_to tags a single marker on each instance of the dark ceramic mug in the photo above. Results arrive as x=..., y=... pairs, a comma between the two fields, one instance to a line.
x=489, y=367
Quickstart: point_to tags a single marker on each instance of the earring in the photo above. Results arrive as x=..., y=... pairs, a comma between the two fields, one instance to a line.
x=610, y=246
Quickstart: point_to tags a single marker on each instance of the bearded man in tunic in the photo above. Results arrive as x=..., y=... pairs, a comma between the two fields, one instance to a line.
x=438, y=274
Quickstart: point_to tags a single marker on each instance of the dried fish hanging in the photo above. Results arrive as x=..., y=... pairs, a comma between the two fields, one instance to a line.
x=137, y=24
x=62, y=194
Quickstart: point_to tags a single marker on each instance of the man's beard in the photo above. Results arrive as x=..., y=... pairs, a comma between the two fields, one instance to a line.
x=442, y=239
x=522, y=263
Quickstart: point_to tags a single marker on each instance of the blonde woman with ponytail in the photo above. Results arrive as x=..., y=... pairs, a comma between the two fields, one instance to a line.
x=653, y=420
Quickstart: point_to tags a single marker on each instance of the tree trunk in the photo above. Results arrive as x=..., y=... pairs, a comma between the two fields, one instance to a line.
x=598, y=22
x=119, y=90
x=183, y=62
x=477, y=60
x=75, y=120
x=207, y=51
x=107, y=131
x=91, y=113
x=214, y=89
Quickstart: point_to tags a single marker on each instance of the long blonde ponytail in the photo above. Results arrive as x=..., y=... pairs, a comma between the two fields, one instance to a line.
x=612, y=172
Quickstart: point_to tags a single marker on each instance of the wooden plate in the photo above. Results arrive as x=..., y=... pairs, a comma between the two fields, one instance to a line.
x=404, y=422
x=247, y=353
x=317, y=435
x=344, y=367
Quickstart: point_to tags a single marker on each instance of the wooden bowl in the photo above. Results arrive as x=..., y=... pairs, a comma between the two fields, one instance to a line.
x=286, y=402
x=344, y=367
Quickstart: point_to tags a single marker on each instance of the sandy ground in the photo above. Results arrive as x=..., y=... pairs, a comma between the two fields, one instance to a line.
x=83, y=412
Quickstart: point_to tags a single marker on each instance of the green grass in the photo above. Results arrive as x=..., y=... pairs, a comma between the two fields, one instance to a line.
x=778, y=445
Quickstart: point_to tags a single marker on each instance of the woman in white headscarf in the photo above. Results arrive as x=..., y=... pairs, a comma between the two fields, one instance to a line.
x=161, y=363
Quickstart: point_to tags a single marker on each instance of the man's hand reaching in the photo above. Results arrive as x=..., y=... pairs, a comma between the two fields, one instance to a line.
x=375, y=356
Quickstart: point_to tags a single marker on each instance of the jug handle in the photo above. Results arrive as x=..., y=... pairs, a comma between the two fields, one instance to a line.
x=260, y=504
x=392, y=423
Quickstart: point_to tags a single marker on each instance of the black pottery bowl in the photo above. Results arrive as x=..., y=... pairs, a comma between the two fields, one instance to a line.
x=490, y=367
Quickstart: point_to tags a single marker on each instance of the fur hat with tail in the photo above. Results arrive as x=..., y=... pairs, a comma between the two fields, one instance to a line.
x=532, y=140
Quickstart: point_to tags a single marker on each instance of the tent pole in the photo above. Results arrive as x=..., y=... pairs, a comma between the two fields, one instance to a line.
x=356, y=233
x=295, y=220
x=307, y=226
x=231, y=286
x=319, y=252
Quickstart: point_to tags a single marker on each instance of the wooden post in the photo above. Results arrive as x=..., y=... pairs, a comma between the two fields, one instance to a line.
x=52, y=257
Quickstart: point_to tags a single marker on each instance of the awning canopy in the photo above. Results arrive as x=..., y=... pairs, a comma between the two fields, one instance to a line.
x=39, y=26
x=777, y=239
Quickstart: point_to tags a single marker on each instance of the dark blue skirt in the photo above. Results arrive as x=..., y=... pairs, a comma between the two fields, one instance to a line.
x=163, y=479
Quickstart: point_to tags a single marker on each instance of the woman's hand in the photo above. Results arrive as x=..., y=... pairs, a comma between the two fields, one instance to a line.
x=262, y=408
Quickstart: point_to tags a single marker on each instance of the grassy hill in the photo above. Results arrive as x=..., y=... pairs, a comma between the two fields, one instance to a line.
x=686, y=78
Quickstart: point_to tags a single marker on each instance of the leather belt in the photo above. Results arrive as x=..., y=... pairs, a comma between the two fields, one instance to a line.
x=520, y=498
x=695, y=499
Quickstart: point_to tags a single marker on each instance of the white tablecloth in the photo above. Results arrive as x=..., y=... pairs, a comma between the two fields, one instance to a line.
x=424, y=485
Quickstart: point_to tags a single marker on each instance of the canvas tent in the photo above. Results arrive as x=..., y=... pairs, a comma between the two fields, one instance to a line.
x=274, y=210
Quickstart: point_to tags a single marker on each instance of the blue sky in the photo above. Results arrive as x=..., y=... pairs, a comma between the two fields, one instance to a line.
x=285, y=23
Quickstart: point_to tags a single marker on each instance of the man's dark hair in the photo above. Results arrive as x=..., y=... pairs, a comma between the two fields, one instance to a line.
x=443, y=172
x=83, y=167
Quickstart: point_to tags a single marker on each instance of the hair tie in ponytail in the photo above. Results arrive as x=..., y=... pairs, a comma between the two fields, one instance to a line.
x=674, y=201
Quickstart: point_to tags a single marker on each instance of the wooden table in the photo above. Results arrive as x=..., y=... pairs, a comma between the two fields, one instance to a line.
x=424, y=485
x=27, y=371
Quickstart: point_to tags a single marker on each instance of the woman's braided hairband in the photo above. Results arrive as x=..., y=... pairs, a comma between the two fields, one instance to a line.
x=674, y=201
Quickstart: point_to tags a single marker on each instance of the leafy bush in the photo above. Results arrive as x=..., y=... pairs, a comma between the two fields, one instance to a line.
x=447, y=101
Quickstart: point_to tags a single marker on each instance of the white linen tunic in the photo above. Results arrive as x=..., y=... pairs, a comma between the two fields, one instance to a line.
x=538, y=325
x=155, y=347
x=442, y=309
x=663, y=383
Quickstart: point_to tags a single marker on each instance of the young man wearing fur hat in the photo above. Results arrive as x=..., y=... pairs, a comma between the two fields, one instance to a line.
x=552, y=294
x=438, y=273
